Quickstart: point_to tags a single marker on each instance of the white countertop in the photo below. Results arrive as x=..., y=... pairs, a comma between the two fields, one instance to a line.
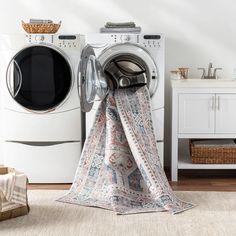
x=203, y=83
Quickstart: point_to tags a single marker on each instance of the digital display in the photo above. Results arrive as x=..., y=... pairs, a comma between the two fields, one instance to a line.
x=152, y=37
x=67, y=37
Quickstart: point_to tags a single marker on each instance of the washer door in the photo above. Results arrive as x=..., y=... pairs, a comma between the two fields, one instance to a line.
x=131, y=61
x=39, y=78
x=92, y=82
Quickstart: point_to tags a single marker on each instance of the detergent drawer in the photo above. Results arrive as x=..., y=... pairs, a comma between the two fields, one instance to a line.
x=43, y=162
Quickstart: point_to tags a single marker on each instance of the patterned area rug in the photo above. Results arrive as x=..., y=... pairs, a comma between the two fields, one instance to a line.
x=119, y=168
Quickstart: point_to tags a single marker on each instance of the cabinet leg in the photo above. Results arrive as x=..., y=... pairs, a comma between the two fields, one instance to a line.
x=174, y=139
x=174, y=175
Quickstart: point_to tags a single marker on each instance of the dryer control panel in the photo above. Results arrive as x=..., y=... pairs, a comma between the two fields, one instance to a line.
x=61, y=41
x=67, y=41
x=145, y=40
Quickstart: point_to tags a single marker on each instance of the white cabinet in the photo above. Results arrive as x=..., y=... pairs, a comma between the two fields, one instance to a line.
x=201, y=109
x=225, y=114
x=207, y=113
x=196, y=113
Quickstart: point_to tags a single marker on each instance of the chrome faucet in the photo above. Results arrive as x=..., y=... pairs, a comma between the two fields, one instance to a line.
x=212, y=72
x=210, y=67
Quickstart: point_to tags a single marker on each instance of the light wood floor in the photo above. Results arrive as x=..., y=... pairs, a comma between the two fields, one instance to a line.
x=188, y=181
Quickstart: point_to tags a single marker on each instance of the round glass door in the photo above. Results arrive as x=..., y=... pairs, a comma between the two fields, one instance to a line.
x=92, y=82
x=39, y=78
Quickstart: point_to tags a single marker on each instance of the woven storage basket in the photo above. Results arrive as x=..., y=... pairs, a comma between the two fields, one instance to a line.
x=20, y=211
x=212, y=155
x=32, y=28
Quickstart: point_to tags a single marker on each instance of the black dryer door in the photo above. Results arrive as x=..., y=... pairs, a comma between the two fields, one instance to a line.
x=39, y=78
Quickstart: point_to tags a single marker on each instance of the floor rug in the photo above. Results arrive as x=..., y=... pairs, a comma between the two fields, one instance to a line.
x=215, y=215
x=119, y=168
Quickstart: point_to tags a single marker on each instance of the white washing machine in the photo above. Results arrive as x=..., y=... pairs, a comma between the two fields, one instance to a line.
x=41, y=117
x=114, y=56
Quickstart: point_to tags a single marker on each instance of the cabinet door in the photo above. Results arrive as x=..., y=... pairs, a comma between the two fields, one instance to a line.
x=225, y=113
x=196, y=113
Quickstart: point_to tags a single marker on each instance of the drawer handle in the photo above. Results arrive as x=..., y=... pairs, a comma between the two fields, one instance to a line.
x=213, y=103
x=42, y=144
x=218, y=103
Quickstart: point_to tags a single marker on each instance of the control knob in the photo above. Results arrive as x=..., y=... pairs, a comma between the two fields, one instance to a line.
x=39, y=38
x=125, y=38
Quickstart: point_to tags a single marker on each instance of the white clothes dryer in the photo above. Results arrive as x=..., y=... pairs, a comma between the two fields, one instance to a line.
x=41, y=115
x=107, y=55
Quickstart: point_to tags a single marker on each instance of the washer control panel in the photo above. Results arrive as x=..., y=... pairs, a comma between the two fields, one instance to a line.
x=145, y=40
x=67, y=41
x=39, y=38
x=150, y=40
x=61, y=41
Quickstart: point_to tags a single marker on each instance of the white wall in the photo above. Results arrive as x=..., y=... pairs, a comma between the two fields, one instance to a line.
x=197, y=31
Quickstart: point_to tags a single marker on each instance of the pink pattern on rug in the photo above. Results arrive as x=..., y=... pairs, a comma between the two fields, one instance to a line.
x=119, y=168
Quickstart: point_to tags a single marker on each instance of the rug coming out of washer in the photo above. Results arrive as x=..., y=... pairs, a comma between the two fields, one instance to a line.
x=120, y=168
x=215, y=215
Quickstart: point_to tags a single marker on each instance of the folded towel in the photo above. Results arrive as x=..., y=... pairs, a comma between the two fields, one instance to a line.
x=120, y=25
x=40, y=21
x=13, y=193
x=7, y=183
x=120, y=30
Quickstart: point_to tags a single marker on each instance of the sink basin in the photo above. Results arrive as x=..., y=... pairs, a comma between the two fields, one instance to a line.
x=207, y=83
x=210, y=80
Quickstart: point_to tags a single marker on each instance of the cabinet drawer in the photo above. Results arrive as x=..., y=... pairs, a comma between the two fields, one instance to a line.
x=196, y=113
x=55, y=163
x=23, y=126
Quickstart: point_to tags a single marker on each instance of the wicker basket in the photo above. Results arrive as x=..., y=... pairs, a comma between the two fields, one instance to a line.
x=212, y=155
x=32, y=28
x=20, y=211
